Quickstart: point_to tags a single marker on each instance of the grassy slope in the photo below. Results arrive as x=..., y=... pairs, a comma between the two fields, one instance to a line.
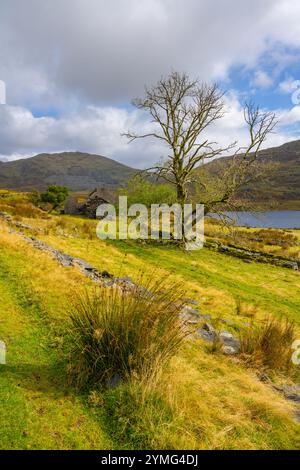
x=37, y=408
x=216, y=280
x=206, y=401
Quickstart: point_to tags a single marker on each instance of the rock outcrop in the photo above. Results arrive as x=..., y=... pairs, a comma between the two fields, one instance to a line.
x=255, y=256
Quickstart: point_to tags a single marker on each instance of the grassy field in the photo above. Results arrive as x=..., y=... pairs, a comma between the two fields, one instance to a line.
x=201, y=401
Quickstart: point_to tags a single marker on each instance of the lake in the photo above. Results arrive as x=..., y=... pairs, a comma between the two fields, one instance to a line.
x=270, y=219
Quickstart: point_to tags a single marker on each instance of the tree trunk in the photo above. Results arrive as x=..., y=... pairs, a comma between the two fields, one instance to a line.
x=181, y=194
x=181, y=199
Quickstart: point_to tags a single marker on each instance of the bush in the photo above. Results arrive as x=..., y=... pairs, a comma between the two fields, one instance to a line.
x=118, y=335
x=269, y=345
x=142, y=191
x=55, y=196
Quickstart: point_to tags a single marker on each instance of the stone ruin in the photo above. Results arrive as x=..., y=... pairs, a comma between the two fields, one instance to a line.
x=89, y=207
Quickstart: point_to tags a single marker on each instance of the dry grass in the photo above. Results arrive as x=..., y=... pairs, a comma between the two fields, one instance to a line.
x=19, y=204
x=269, y=345
x=118, y=334
x=201, y=401
x=278, y=242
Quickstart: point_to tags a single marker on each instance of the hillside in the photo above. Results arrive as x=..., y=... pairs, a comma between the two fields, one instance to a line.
x=76, y=170
x=283, y=185
x=82, y=171
x=202, y=400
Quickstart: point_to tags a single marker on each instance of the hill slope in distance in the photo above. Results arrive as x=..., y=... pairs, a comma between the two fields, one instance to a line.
x=76, y=170
x=283, y=184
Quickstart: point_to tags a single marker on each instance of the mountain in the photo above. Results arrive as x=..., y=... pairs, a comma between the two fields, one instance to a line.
x=82, y=171
x=76, y=170
x=283, y=183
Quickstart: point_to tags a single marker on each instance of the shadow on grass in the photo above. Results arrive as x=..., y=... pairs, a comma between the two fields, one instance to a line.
x=138, y=421
x=50, y=379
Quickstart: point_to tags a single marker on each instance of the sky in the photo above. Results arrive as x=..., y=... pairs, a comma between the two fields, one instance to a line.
x=72, y=67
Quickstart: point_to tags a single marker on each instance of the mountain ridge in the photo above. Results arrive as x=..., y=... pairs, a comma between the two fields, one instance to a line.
x=282, y=185
x=83, y=171
x=76, y=170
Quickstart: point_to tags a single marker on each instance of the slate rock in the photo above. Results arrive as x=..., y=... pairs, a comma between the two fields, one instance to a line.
x=229, y=341
x=83, y=264
x=206, y=335
x=190, y=311
x=204, y=316
x=229, y=350
x=190, y=301
x=263, y=377
x=106, y=274
x=208, y=327
x=290, y=392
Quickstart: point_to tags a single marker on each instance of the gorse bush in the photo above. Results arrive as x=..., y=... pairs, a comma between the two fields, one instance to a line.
x=119, y=335
x=269, y=345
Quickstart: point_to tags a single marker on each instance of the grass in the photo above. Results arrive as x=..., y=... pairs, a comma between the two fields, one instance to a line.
x=38, y=410
x=201, y=401
x=19, y=204
x=283, y=243
x=120, y=334
x=216, y=280
x=269, y=345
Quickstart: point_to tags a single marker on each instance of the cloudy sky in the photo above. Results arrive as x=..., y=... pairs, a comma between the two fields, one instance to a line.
x=71, y=68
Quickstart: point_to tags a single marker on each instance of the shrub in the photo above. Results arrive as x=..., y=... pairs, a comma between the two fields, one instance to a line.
x=269, y=345
x=143, y=191
x=54, y=197
x=118, y=335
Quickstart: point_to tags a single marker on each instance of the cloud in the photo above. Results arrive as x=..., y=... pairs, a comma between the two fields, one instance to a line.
x=290, y=116
x=2, y=93
x=94, y=129
x=104, y=52
x=98, y=130
x=79, y=63
x=261, y=80
x=287, y=85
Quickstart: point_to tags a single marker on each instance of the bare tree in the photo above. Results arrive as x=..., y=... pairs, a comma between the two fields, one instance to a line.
x=181, y=110
x=214, y=189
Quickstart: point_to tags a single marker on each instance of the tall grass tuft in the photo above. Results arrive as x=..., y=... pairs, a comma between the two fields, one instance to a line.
x=118, y=335
x=269, y=345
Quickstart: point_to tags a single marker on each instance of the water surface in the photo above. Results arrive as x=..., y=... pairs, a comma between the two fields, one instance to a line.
x=269, y=219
